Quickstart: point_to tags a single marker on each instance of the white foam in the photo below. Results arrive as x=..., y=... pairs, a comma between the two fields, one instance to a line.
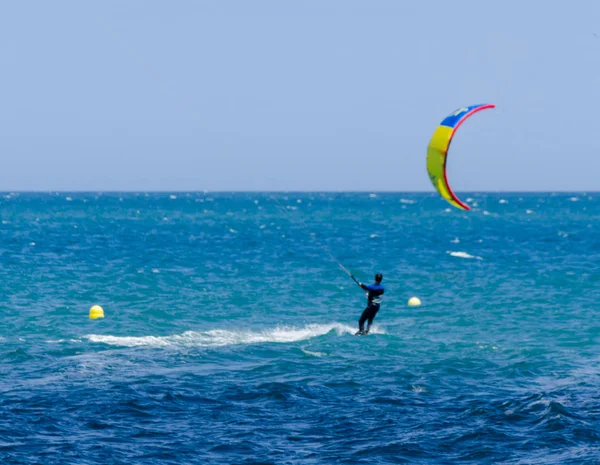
x=409, y=202
x=172, y=197
x=529, y=212
x=372, y=196
x=503, y=201
x=456, y=240
x=574, y=199
x=223, y=337
x=463, y=255
x=314, y=354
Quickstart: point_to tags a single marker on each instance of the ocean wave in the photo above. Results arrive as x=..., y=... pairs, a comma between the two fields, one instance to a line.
x=224, y=337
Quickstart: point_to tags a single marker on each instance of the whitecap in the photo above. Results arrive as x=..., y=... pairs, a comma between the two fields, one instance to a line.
x=406, y=201
x=503, y=201
x=463, y=255
x=172, y=197
x=314, y=354
x=372, y=196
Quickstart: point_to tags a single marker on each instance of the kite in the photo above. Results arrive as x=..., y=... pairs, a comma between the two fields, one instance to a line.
x=437, y=151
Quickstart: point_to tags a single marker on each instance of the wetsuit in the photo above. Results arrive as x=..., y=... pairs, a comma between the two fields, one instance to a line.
x=374, y=293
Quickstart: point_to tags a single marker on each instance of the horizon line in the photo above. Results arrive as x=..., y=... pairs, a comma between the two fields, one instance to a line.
x=278, y=191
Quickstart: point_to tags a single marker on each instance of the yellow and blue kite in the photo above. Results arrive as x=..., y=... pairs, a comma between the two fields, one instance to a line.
x=437, y=151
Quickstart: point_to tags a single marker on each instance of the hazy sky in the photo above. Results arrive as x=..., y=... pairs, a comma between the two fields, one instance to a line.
x=297, y=95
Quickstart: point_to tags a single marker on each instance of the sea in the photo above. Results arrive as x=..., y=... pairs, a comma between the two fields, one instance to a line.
x=229, y=328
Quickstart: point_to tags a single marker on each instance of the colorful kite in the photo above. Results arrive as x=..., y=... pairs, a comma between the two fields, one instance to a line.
x=437, y=151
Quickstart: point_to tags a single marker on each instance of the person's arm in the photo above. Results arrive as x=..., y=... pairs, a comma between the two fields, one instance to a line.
x=364, y=286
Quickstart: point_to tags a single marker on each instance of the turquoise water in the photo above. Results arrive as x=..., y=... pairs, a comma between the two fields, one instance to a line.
x=228, y=336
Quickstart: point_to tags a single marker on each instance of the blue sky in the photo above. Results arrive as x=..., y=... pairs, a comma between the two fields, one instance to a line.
x=304, y=95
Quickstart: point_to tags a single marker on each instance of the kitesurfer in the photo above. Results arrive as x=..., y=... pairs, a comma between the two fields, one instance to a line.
x=374, y=293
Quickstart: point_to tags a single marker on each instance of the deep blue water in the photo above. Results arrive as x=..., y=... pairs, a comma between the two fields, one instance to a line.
x=228, y=336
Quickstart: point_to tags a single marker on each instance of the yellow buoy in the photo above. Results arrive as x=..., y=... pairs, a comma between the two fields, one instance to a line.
x=96, y=312
x=414, y=302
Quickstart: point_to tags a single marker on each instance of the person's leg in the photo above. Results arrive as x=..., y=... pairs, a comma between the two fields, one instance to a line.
x=373, y=311
x=363, y=318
